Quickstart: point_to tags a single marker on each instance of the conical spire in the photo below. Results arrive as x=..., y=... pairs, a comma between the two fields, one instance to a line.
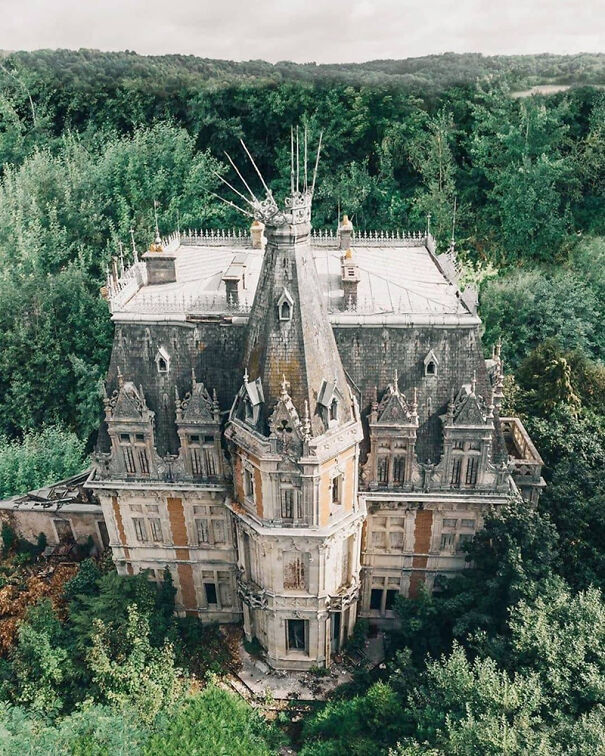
x=289, y=335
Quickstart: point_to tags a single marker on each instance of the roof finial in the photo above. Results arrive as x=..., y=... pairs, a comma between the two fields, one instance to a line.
x=284, y=387
x=428, y=224
x=474, y=382
x=193, y=381
x=135, y=254
x=155, y=215
x=307, y=422
x=120, y=378
x=246, y=374
x=453, y=241
x=396, y=379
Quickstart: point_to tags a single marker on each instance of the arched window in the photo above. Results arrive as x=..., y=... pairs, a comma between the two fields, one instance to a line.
x=285, y=311
x=162, y=360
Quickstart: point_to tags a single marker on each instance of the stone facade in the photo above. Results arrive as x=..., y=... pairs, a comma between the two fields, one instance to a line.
x=301, y=427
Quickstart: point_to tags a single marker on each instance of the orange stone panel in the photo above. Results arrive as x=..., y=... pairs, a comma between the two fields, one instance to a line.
x=187, y=586
x=121, y=533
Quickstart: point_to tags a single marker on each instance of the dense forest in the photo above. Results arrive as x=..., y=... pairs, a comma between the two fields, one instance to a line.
x=507, y=658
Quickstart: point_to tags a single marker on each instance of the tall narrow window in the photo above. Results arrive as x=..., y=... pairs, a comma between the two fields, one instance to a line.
x=201, y=526
x=287, y=503
x=399, y=469
x=218, y=531
x=129, y=460
x=334, y=409
x=456, y=468
x=337, y=489
x=383, y=469
x=143, y=461
x=209, y=456
x=472, y=465
x=248, y=483
x=140, y=530
x=155, y=524
x=294, y=572
x=285, y=311
x=210, y=589
x=296, y=634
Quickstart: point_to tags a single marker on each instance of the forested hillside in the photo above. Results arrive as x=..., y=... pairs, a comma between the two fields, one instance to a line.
x=88, y=142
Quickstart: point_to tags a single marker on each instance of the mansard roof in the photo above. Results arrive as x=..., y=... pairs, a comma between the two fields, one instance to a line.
x=408, y=305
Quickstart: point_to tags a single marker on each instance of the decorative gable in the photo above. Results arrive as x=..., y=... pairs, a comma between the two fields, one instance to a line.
x=197, y=407
x=284, y=424
x=468, y=408
x=393, y=409
x=127, y=404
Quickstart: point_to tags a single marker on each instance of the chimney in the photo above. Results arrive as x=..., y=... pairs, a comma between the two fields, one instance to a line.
x=345, y=232
x=350, y=279
x=234, y=279
x=256, y=234
x=160, y=264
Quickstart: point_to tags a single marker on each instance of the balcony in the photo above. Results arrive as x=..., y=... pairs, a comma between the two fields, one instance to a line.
x=524, y=460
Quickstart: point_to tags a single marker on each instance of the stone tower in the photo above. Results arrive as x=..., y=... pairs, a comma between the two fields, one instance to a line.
x=293, y=433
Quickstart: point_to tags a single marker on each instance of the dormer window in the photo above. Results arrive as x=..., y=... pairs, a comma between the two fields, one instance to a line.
x=162, y=360
x=284, y=305
x=431, y=363
x=285, y=311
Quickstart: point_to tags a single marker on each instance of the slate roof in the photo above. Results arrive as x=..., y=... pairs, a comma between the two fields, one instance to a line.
x=408, y=307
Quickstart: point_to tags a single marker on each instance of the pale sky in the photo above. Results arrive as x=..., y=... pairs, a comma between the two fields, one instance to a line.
x=325, y=31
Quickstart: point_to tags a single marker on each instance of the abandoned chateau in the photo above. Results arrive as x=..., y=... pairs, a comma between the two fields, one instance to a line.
x=301, y=425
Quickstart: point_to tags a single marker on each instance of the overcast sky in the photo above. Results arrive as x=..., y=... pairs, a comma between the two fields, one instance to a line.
x=325, y=31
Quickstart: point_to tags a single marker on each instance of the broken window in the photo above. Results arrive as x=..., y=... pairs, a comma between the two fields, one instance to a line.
x=210, y=589
x=296, y=634
x=294, y=572
x=64, y=530
x=248, y=483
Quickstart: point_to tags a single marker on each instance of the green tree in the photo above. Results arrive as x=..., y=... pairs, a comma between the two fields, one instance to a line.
x=138, y=675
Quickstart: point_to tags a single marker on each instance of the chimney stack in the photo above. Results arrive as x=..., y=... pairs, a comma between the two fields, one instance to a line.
x=350, y=279
x=256, y=234
x=159, y=263
x=345, y=232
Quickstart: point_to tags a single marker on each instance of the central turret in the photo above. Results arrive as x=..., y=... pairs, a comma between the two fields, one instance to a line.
x=289, y=335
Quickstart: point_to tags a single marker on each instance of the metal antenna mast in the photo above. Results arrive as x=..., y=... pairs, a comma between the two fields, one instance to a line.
x=306, y=182
x=260, y=175
x=297, y=160
x=316, y=163
x=291, y=160
x=242, y=179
